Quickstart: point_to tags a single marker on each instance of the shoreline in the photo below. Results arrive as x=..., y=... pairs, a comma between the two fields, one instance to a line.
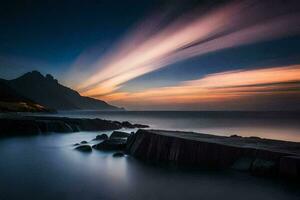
x=258, y=156
x=33, y=125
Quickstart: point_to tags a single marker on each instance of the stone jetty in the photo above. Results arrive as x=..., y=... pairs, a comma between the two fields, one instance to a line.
x=258, y=156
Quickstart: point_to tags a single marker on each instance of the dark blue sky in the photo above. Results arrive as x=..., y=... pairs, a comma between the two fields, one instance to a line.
x=279, y=52
x=53, y=34
x=50, y=36
x=56, y=32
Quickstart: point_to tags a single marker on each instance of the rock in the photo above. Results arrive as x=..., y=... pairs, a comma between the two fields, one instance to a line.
x=101, y=137
x=10, y=127
x=127, y=125
x=83, y=142
x=140, y=126
x=118, y=154
x=235, y=136
x=290, y=167
x=243, y=164
x=111, y=144
x=255, y=138
x=84, y=148
x=268, y=158
x=95, y=124
x=149, y=146
x=77, y=144
x=32, y=125
x=263, y=167
x=58, y=126
x=119, y=134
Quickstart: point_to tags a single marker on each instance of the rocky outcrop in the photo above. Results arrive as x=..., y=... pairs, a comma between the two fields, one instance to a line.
x=118, y=154
x=129, y=125
x=119, y=134
x=117, y=141
x=36, y=125
x=101, y=137
x=257, y=156
x=115, y=144
x=290, y=167
x=84, y=148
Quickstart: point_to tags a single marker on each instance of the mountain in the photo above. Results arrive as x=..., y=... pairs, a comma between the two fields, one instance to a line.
x=11, y=101
x=48, y=92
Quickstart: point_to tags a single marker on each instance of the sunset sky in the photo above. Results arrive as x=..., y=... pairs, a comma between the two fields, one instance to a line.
x=160, y=55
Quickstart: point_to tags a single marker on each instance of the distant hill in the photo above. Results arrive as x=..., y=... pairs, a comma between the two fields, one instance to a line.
x=48, y=92
x=11, y=101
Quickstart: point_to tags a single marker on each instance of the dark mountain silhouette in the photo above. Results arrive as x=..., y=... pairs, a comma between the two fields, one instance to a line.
x=7, y=94
x=11, y=101
x=48, y=92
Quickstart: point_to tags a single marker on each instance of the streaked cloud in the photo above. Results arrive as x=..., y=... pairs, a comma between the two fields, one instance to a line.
x=231, y=89
x=146, y=49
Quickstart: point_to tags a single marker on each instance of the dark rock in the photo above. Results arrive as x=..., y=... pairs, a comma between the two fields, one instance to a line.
x=75, y=127
x=23, y=125
x=255, y=138
x=235, y=136
x=10, y=127
x=84, y=148
x=76, y=144
x=119, y=134
x=58, y=126
x=118, y=154
x=101, y=137
x=263, y=167
x=268, y=158
x=290, y=167
x=30, y=125
x=94, y=124
x=180, y=151
x=111, y=144
x=83, y=142
x=243, y=164
x=140, y=126
x=127, y=125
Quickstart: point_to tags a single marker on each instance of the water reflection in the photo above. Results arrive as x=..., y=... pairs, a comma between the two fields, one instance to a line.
x=47, y=167
x=117, y=169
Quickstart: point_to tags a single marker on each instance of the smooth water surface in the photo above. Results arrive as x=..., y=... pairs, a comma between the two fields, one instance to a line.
x=217, y=123
x=47, y=167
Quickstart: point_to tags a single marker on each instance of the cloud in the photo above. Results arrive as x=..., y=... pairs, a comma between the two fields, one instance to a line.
x=146, y=49
x=226, y=90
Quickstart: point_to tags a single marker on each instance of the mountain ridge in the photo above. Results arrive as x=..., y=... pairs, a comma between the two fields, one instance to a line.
x=47, y=91
x=11, y=101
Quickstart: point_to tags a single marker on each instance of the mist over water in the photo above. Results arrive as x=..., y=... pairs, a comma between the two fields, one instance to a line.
x=47, y=167
x=273, y=125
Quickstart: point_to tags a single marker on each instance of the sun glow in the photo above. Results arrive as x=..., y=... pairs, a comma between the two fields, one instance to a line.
x=148, y=48
x=218, y=87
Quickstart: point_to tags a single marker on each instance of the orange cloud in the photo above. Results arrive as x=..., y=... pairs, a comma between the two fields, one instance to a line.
x=216, y=88
x=145, y=50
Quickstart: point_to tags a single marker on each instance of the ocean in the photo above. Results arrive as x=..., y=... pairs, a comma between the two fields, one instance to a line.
x=272, y=125
x=47, y=166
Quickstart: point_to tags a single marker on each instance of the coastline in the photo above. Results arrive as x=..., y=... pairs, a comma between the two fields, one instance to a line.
x=258, y=156
x=33, y=125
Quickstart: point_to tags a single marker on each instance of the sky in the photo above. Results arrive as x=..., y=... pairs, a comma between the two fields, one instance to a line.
x=160, y=55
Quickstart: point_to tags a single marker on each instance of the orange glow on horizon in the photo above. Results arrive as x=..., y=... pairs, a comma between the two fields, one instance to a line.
x=217, y=88
x=144, y=50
